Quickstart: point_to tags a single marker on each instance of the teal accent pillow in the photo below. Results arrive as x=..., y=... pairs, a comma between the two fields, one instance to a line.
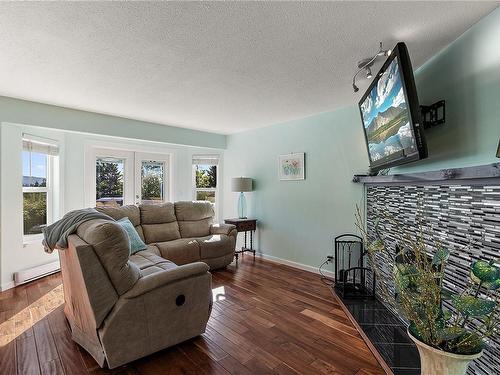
x=136, y=244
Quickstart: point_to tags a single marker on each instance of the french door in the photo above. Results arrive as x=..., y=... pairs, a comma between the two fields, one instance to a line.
x=126, y=177
x=151, y=178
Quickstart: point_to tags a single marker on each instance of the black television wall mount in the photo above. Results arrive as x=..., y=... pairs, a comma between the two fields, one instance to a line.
x=433, y=115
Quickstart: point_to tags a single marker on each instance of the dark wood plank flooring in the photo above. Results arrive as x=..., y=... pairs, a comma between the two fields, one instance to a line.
x=267, y=319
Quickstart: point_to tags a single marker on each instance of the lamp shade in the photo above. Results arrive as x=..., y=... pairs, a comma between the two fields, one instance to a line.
x=241, y=184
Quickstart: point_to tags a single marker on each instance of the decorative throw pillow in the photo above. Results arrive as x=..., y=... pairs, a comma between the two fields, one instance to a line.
x=136, y=244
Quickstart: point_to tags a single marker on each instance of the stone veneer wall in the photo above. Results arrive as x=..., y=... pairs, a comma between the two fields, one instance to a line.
x=464, y=218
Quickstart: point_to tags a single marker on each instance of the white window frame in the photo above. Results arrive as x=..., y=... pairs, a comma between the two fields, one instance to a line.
x=216, y=162
x=49, y=190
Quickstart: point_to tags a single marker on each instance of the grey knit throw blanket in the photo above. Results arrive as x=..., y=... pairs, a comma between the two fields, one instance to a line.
x=56, y=235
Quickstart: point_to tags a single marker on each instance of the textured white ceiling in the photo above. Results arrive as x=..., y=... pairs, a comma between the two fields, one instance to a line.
x=221, y=67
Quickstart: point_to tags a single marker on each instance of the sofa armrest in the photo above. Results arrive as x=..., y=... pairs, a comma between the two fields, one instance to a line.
x=158, y=279
x=222, y=229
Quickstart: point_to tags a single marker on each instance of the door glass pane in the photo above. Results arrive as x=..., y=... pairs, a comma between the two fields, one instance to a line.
x=109, y=181
x=206, y=176
x=152, y=181
x=34, y=212
x=206, y=196
x=34, y=169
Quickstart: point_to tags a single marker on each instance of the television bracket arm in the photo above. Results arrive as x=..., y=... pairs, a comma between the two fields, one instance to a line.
x=433, y=115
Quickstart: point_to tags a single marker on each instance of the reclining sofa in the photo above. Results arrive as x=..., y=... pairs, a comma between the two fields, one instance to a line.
x=122, y=307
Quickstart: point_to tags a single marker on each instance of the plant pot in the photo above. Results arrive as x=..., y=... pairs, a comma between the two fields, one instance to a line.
x=435, y=361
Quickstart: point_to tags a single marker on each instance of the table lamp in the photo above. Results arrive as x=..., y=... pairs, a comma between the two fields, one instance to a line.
x=241, y=185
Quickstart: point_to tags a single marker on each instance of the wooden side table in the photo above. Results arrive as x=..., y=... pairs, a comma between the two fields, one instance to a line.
x=244, y=225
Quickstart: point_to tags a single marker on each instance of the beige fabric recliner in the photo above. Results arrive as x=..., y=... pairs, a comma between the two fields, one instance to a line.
x=120, y=307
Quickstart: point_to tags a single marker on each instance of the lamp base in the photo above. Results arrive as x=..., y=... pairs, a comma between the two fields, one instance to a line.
x=242, y=206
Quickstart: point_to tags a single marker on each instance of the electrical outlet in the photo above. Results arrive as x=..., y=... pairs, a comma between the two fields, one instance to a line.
x=329, y=258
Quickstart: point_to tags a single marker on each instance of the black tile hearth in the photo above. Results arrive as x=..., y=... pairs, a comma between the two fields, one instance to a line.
x=379, y=316
x=400, y=355
x=406, y=371
x=372, y=304
x=387, y=333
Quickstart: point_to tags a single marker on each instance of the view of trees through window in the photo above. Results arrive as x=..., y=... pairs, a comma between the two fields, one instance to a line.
x=109, y=182
x=206, y=182
x=34, y=212
x=34, y=192
x=152, y=175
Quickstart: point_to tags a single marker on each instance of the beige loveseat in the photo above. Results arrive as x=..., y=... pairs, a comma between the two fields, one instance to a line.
x=120, y=307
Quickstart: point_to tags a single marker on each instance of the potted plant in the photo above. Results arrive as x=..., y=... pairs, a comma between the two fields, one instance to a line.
x=449, y=329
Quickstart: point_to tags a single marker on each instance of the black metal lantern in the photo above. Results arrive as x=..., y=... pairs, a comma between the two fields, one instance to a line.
x=352, y=278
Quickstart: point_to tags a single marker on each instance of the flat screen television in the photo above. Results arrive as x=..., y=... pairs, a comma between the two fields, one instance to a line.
x=390, y=113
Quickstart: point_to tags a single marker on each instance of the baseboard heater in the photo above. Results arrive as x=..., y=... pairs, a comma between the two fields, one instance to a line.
x=25, y=276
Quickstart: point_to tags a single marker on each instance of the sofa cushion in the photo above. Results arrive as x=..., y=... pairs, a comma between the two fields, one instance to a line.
x=194, y=218
x=136, y=243
x=130, y=211
x=157, y=213
x=142, y=261
x=147, y=258
x=111, y=244
x=117, y=213
x=181, y=251
x=215, y=246
x=190, y=229
x=153, y=249
x=193, y=210
x=150, y=263
x=159, y=223
x=161, y=232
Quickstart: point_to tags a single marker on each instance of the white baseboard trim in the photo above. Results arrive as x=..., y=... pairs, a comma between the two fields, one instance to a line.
x=7, y=285
x=290, y=263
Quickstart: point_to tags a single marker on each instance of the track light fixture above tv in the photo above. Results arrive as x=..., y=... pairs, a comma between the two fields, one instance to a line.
x=366, y=64
x=368, y=73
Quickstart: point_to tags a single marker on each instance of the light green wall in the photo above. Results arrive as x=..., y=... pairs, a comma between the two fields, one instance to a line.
x=49, y=116
x=467, y=75
x=298, y=219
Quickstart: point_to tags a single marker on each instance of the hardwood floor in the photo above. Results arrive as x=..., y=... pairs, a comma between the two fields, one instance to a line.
x=267, y=319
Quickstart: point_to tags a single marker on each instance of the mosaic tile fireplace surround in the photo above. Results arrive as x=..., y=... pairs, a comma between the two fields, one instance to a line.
x=463, y=214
